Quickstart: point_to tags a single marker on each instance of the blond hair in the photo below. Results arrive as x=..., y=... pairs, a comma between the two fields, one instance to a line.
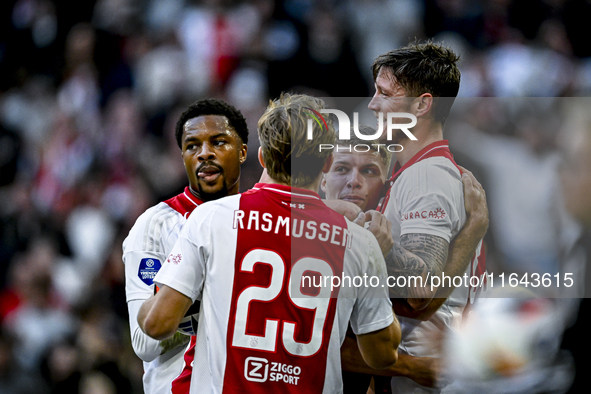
x=289, y=156
x=384, y=153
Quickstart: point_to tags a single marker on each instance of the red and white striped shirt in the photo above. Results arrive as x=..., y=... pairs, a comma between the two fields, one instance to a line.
x=261, y=328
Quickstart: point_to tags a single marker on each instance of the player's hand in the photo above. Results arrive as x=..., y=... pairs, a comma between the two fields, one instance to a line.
x=345, y=208
x=424, y=370
x=360, y=219
x=475, y=202
x=381, y=228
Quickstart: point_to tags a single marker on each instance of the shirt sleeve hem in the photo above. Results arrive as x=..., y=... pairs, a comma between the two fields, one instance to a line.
x=375, y=325
x=180, y=287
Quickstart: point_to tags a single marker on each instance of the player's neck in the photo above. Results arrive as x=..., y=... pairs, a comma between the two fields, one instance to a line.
x=425, y=137
x=231, y=192
x=314, y=186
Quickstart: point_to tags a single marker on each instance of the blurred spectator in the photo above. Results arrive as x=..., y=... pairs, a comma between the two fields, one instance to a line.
x=61, y=368
x=13, y=379
x=40, y=318
x=576, y=182
x=379, y=26
x=520, y=171
x=331, y=57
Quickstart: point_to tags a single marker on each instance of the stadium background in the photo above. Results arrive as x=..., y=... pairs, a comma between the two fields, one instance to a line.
x=90, y=92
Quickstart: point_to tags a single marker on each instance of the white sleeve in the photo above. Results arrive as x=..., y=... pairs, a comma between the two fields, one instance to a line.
x=143, y=255
x=145, y=249
x=145, y=347
x=372, y=310
x=140, y=269
x=184, y=269
x=428, y=214
x=430, y=195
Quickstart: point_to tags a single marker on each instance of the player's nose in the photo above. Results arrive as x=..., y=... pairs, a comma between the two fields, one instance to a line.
x=207, y=152
x=355, y=179
x=373, y=104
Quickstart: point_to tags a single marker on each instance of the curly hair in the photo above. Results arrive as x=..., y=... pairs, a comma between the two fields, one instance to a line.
x=424, y=68
x=212, y=107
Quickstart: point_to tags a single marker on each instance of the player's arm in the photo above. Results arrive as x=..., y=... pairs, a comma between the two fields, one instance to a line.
x=145, y=347
x=423, y=370
x=160, y=315
x=376, y=327
x=462, y=248
x=379, y=349
x=416, y=256
x=180, y=278
x=138, y=289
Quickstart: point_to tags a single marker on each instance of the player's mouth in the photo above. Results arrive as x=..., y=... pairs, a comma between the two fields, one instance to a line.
x=357, y=200
x=209, y=173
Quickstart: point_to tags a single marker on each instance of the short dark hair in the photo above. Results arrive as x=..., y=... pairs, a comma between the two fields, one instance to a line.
x=212, y=107
x=424, y=68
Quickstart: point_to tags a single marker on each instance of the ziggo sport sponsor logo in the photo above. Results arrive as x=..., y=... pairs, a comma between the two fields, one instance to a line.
x=258, y=369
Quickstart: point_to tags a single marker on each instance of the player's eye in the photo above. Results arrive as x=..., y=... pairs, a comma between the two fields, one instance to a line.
x=369, y=171
x=341, y=169
x=219, y=143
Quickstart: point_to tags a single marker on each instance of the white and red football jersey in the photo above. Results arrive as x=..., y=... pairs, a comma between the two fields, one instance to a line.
x=144, y=250
x=427, y=198
x=262, y=327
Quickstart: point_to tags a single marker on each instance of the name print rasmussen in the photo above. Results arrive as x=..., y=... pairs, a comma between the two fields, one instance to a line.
x=267, y=222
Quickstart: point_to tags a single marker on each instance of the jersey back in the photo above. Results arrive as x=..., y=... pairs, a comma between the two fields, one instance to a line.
x=269, y=327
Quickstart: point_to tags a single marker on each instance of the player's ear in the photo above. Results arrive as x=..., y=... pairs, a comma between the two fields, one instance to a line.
x=243, y=152
x=422, y=104
x=323, y=183
x=260, y=155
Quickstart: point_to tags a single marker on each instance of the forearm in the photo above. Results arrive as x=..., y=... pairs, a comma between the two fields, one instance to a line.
x=417, y=257
x=462, y=251
x=420, y=369
x=160, y=315
x=148, y=322
x=379, y=349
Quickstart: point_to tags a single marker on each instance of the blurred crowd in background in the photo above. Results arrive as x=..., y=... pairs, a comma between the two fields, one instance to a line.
x=90, y=92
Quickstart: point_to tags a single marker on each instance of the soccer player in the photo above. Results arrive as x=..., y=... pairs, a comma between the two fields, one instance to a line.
x=262, y=327
x=363, y=174
x=212, y=136
x=425, y=205
x=356, y=176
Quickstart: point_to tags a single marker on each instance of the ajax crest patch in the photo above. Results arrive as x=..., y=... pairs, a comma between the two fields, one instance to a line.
x=148, y=269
